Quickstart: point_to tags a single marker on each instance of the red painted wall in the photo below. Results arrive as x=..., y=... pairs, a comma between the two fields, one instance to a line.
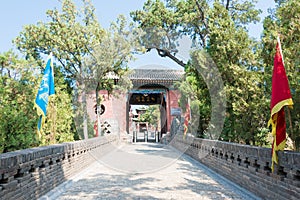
x=115, y=108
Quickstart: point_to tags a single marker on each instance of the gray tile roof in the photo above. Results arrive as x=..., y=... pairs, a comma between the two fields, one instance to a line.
x=156, y=74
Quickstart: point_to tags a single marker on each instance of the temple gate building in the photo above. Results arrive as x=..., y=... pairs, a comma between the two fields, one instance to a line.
x=152, y=85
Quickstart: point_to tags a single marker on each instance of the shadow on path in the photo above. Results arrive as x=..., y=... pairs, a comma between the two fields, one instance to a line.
x=182, y=178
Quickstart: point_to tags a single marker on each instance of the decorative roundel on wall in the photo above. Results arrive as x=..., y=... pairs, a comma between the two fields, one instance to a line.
x=102, y=109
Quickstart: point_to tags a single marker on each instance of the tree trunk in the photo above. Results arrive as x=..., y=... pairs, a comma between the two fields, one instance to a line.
x=85, y=123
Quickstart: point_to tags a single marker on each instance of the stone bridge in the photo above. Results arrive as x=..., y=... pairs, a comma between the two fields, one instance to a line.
x=105, y=168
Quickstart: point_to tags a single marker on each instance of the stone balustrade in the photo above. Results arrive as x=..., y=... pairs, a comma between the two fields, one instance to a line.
x=31, y=173
x=248, y=166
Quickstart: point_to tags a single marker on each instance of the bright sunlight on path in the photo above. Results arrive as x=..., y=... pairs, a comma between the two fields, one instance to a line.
x=147, y=171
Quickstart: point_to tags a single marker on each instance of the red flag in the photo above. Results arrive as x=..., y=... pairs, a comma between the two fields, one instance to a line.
x=281, y=96
x=187, y=118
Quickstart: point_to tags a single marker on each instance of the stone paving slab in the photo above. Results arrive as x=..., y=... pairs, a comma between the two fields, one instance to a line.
x=147, y=171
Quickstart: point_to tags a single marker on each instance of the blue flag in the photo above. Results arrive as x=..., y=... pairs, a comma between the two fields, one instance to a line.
x=46, y=89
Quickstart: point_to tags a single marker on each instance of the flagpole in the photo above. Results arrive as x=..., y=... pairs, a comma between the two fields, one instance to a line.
x=288, y=109
x=45, y=90
x=98, y=107
x=280, y=98
x=291, y=127
x=279, y=43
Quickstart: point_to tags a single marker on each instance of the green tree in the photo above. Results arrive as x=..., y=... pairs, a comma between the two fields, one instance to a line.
x=284, y=20
x=69, y=35
x=109, y=59
x=193, y=88
x=59, y=119
x=18, y=121
x=81, y=46
x=219, y=28
x=151, y=115
x=236, y=56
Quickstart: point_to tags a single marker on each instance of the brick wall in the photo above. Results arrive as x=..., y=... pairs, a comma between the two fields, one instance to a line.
x=248, y=166
x=31, y=173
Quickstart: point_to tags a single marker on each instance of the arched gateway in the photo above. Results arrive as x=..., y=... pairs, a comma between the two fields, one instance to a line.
x=152, y=85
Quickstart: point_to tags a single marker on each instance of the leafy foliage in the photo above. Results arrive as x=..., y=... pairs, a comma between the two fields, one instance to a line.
x=70, y=35
x=87, y=54
x=18, y=119
x=151, y=115
x=109, y=59
x=220, y=29
x=58, y=127
x=284, y=20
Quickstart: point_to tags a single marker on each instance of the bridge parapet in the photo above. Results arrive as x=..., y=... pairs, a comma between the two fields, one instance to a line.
x=248, y=166
x=31, y=173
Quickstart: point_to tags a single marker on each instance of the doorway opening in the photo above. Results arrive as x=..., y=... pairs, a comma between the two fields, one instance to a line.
x=147, y=108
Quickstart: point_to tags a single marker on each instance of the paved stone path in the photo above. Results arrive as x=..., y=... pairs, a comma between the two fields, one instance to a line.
x=147, y=171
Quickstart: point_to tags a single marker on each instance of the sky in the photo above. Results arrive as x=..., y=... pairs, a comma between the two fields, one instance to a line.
x=14, y=14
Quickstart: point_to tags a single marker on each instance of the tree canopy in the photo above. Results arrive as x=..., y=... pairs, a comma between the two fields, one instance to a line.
x=70, y=35
x=18, y=120
x=86, y=52
x=83, y=52
x=219, y=28
x=284, y=21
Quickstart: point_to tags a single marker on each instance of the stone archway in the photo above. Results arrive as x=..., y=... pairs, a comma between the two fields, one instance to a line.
x=150, y=94
x=152, y=85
